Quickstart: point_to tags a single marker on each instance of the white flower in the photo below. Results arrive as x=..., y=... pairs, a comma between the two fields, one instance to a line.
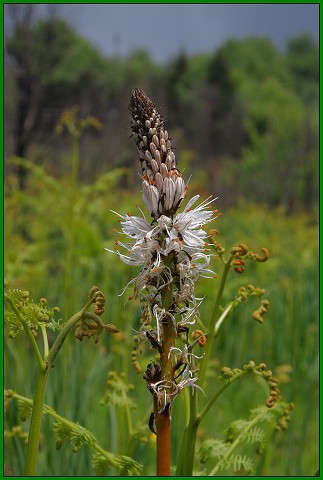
x=167, y=390
x=184, y=355
x=188, y=380
x=188, y=225
x=184, y=232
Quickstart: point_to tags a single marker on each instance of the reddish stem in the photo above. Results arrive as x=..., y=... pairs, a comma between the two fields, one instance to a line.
x=163, y=418
x=163, y=444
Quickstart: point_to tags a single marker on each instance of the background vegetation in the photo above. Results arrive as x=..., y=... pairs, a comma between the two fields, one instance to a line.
x=244, y=120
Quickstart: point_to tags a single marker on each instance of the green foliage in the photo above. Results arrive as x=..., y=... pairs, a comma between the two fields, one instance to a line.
x=239, y=432
x=117, y=391
x=34, y=314
x=247, y=112
x=246, y=120
x=253, y=58
x=124, y=465
x=293, y=254
x=302, y=59
x=80, y=436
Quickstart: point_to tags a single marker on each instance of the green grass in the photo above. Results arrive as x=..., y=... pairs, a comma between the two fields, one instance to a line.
x=41, y=228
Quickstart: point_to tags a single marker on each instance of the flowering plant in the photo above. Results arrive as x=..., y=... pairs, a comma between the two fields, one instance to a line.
x=173, y=252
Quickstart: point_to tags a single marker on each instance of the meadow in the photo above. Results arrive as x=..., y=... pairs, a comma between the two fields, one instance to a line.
x=243, y=120
x=55, y=234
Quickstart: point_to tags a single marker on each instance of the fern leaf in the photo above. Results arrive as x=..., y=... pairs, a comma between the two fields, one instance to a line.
x=79, y=436
x=117, y=391
x=212, y=449
x=238, y=463
x=255, y=435
x=34, y=314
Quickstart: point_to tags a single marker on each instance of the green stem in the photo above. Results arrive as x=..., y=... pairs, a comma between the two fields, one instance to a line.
x=209, y=404
x=110, y=457
x=41, y=363
x=187, y=450
x=71, y=233
x=65, y=331
x=45, y=340
x=35, y=423
x=211, y=327
x=75, y=159
x=185, y=462
x=36, y=417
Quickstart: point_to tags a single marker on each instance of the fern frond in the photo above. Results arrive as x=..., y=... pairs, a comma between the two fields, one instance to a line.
x=238, y=463
x=125, y=465
x=245, y=431
x=34, y=314
x=117, y=391
x=79, y=436
x=264, y=414
x=212, y=449
x=256, y=435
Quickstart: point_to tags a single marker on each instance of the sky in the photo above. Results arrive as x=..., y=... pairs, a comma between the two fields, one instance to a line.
x=166, y=29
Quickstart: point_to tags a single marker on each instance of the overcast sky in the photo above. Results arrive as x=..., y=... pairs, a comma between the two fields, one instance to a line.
x=165, y=29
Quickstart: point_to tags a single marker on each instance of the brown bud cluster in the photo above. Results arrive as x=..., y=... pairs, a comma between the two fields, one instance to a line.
x=240, y=251
x=259, y=258
x=133, y=354
x=200, y=337
x=259, y=313
x=162, y=183
x=91, y=329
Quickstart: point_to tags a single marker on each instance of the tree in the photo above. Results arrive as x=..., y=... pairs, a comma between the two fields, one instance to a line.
x=302, y=58
x=52, y=68
x=262, y=121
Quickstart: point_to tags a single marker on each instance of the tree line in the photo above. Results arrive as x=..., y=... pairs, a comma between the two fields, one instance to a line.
x=243, y=117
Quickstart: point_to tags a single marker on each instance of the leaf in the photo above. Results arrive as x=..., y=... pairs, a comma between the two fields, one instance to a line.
x=238, y=462
x=79, y=436
x=34, y=314
x=117, y=391
x=212, y=449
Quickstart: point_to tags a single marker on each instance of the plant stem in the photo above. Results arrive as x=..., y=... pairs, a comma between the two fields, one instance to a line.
x=75, y=160
x=211, y=327
x=45, y=340
x=163, y=418
x=36, y=417
x=163, y=444
x=71, y=233
x=41, y=363
x=64, y=332
x=35, y=423
x=185, y=462
x=209, y=404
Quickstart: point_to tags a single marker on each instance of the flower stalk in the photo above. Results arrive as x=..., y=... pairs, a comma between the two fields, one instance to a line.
x=172, y=254
x=163, y=419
